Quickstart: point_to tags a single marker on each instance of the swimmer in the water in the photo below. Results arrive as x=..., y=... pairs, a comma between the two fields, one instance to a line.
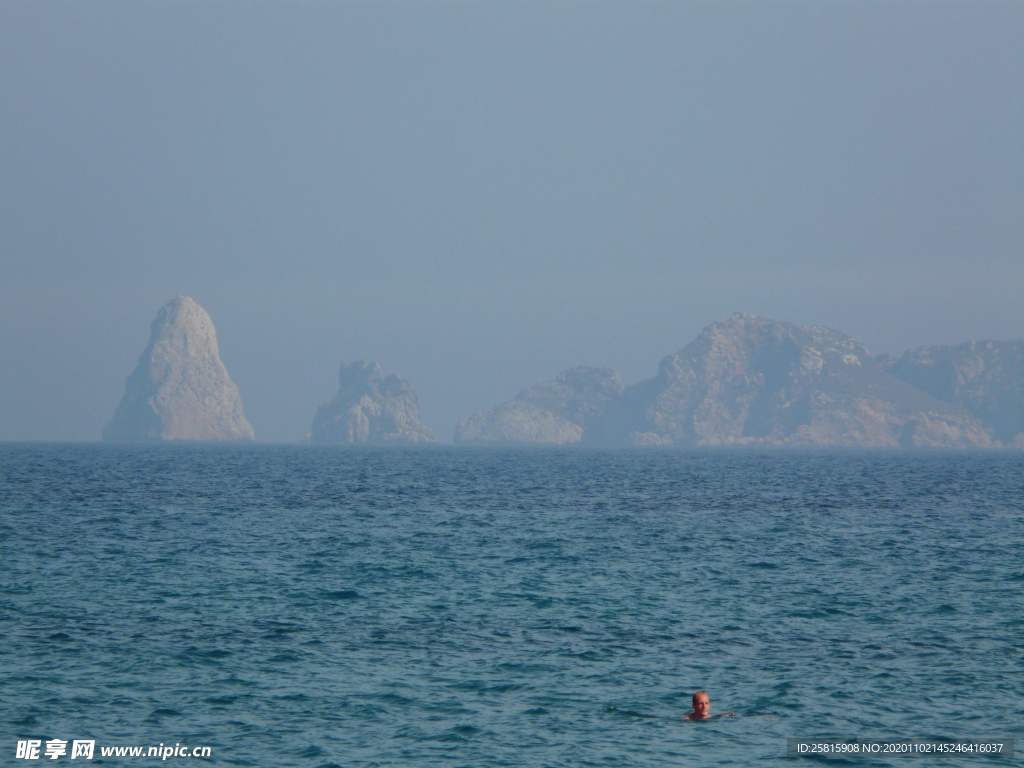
x=702, y=708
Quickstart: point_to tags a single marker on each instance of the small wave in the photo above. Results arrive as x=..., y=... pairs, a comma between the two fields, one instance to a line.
x=226, y=700
x=163, y=712
x=283, y=657
x=630, y=713
x=339, y=594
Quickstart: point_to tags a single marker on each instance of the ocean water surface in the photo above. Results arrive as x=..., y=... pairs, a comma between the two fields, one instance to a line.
x=304, y=606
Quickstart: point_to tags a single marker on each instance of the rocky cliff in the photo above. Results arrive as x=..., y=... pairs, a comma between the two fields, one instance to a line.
x=180, y=389
x=985, y=377
x=753, y=381
x=553, y=412
x=370, y=409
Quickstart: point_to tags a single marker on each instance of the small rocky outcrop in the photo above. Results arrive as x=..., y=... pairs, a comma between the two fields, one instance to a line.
x=370, y=408
x=553, y=412
x=180, y=389
x=754, y=381
x=985, y=377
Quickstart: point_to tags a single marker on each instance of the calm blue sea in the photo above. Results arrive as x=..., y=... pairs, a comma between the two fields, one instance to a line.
x=301, y=606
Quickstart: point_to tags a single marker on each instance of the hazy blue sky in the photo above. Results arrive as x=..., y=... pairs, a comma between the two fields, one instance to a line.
x=479, y=195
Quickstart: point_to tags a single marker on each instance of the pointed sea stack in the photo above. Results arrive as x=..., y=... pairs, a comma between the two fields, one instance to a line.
x=180, y=389
x=370, y=409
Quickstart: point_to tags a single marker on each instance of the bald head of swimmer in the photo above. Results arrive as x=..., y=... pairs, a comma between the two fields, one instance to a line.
x=701, y=706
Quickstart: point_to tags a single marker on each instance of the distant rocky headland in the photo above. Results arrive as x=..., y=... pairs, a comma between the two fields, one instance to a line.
x=180, y=389
x=370, y=408
x=754, y=381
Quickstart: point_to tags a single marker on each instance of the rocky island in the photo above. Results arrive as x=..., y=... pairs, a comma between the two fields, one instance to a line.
x=180, y=389
x=755, y=381
x=554, y=412
x=370, y=408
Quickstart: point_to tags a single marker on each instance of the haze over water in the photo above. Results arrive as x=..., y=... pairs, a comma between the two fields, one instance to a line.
x=324, y=607
x=481, y=195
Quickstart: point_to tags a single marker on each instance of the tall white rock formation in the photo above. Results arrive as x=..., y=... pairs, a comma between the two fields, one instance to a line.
x=180, y=389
